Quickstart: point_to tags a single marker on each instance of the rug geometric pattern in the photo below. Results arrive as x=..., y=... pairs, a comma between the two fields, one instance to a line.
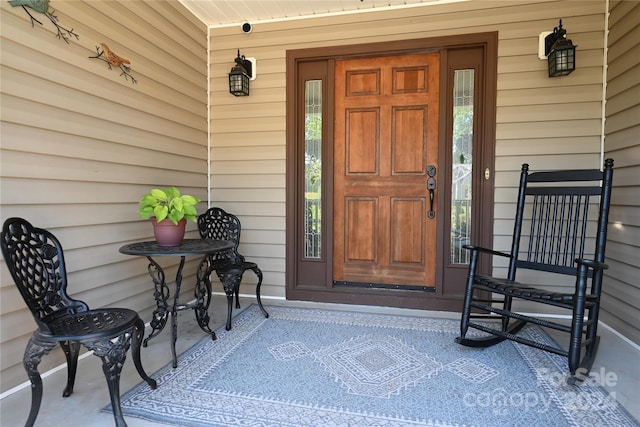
x=315, y=367
x=376, y=366
x=472, y=371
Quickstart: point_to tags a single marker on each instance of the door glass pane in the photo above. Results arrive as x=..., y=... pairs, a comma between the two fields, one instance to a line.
x=461, y=167
x=312, y=168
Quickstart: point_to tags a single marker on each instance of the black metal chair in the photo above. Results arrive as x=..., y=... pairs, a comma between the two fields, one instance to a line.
x=556, y=231
x=36, y=261
x=229, y=266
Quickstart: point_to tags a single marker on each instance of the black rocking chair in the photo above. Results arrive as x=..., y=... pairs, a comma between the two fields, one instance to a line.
x=230, y=266
x=554, y=232
x=36, y=261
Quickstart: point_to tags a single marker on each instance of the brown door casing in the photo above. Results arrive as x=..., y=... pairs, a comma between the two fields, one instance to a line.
x=312, y=279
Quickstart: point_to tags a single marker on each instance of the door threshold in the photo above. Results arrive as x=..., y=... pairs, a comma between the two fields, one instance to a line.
x=345, y=284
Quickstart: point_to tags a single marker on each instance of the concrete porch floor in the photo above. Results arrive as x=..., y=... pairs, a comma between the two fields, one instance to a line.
x=615, y=355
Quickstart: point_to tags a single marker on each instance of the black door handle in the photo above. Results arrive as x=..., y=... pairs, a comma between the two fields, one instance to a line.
x=431, y=186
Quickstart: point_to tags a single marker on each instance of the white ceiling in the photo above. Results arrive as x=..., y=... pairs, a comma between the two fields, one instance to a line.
x=226, y=13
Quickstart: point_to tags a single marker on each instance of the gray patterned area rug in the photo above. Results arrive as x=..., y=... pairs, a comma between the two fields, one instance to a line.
x=313, y=367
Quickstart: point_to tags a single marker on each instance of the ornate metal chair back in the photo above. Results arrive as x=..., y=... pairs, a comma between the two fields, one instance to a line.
x=218, y=224
x=35, y=260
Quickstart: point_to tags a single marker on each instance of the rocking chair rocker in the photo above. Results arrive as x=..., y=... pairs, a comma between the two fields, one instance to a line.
x=554, y=232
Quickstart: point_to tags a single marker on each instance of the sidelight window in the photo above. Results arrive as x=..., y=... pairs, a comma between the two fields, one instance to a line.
x=463, y=101
x=313, y=169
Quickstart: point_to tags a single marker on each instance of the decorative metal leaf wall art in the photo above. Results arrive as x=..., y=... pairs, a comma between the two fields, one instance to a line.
x=42, y=6
x=107, y=55
x=103, y=52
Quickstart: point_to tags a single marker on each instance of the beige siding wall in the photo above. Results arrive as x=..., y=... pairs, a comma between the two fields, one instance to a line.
x=621, y=303
x=549, y=123
x=80, y=144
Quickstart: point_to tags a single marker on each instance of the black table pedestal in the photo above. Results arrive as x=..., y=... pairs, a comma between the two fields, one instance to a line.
x=166, y=308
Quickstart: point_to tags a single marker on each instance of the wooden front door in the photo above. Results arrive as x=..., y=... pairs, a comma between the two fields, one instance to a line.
x=385, y=151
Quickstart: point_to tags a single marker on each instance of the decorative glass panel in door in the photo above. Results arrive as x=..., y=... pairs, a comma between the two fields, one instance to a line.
x=313, y=169
x=461, y=165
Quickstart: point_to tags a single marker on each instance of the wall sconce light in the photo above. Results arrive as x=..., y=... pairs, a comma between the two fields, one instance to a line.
x=560, y=52
x=239, y=76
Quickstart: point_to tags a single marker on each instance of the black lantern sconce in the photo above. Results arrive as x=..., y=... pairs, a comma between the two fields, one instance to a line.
x=239, y=76
x=560, y=52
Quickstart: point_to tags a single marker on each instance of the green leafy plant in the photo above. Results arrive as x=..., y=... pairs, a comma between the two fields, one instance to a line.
x=168, y=203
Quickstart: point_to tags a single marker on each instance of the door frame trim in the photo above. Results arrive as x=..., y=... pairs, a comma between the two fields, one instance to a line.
x=382, y=297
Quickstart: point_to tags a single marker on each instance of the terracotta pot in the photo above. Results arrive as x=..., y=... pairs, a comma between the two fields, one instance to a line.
x=167, y=233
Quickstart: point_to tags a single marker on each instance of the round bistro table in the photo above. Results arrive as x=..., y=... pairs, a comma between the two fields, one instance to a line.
x=165, y=308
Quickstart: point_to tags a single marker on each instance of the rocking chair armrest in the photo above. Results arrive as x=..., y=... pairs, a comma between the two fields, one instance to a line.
x=592, y=264
x=486, y=250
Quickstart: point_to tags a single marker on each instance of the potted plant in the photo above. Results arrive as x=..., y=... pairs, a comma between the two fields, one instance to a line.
x=169, y=212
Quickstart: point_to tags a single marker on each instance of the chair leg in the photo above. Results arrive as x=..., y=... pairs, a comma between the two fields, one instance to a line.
x=71, y=351
x=592, y=335
x=259, y=274
x=230, y=280
x=507, y=307
x=202, y=294
x=593, y=341
x=33, y=353
x=575, y=342
x=229, y=311
x=113, y=353
x=581, y=372
x=468, y=295
x=575, y=345
x=466, y=316
x=136, y=343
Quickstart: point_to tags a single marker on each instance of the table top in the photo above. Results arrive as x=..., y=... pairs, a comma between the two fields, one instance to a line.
x=188, y=247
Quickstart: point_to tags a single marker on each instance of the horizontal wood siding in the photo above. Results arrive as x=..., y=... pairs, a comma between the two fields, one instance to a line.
x=80, y=145
x=549, y=123
x=621, y=300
